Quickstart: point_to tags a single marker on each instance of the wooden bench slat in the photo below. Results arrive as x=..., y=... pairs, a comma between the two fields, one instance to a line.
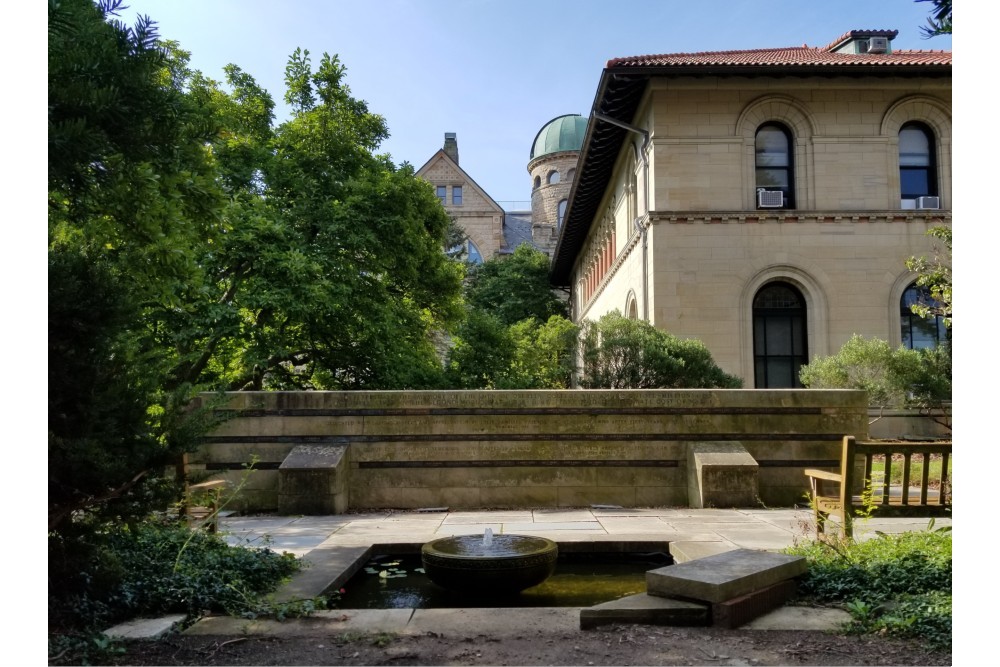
x=912, y=501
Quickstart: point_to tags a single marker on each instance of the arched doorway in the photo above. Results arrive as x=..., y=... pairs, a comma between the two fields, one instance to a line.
x=779, y=336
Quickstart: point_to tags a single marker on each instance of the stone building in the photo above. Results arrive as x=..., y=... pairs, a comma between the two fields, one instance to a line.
x=491, y=230
x=471, y=207
x=763, y=201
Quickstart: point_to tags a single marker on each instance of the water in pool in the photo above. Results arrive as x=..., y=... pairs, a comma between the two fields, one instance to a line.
x=580, y=580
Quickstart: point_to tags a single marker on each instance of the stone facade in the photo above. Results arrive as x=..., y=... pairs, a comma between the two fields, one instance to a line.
x=705, y=248
x=471, y=207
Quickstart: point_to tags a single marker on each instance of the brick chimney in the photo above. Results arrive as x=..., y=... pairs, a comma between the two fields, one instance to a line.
x=451, y=145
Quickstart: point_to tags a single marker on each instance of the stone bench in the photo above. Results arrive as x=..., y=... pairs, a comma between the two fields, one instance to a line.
x=722, y=474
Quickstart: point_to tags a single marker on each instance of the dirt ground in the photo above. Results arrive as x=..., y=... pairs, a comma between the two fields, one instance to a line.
x=614, y=645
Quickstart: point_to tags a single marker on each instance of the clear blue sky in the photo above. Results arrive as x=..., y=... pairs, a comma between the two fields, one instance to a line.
x=495, y=71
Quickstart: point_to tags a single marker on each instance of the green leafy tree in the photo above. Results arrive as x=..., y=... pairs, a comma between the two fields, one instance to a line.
x=545, y=354
x=482, y=353
x=934, y=275
x=619, y=353
x=515, y=288
x=893, y=378
x=939, y=22
x=132, y=200
x=334, y=272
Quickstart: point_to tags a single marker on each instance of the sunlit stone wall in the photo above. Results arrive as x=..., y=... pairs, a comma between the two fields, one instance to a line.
x=492, y=449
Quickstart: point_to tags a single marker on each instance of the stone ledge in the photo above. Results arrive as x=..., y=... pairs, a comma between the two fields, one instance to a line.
x=646, y=609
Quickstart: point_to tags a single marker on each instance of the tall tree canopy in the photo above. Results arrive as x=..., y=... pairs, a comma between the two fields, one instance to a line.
x=196, y=244
x=515, y=288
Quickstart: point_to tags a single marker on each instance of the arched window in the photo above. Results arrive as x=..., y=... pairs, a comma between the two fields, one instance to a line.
x=917, y=177
x=779, y=336
x=775, y=171
x=919, y=332
x=570, y=175
x=631, y=308
x=553, y=177
x=537, y=184
x=561, y=213
x=475, y=257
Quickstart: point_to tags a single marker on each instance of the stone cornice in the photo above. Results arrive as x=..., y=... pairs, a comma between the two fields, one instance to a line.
x=792, y=216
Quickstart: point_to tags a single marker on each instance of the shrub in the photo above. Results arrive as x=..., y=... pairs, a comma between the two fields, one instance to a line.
x=99, y=579
x=619, y=353
x=893, y=378
x=897, y=584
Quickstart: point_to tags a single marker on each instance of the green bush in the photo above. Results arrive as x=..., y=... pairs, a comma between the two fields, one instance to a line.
x=896, y=584
x=892, y=377
x=96, y=580
x=619, y=353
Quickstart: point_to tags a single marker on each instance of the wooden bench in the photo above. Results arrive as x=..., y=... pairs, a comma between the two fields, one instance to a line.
x=201, y=501
x=839, y=494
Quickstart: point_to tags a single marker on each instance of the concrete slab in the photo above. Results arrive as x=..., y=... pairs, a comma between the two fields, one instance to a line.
x=145, y=628
x=488, y=517
x=320, y=624
x=724, y=576
x=450, y=529
x=559, y=515
x=646, y=609
x=327, y=566
x=552, y=525
x=824, y=619
x=494, y=623
x=683, y=551
x=620, y=524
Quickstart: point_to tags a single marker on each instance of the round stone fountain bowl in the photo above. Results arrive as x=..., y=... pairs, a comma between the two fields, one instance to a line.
x=507, y=566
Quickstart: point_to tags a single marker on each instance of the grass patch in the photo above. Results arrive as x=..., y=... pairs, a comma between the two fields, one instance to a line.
x=893, y=584
x=916, y=469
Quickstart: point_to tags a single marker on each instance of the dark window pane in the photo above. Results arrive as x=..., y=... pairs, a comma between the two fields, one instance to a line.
x=779, y=336
x=772, y=178
x=914, y=183
x=779, y=372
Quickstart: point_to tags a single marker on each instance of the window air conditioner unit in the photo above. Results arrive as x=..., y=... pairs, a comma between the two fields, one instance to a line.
x=928, y=202
x=878, y=44
x=770, y=198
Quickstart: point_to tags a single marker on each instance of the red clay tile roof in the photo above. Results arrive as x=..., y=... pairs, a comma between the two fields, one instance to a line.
x=784, y=57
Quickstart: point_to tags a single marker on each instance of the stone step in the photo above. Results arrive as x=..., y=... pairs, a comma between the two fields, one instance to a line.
x=724, y=576
x=646, y=609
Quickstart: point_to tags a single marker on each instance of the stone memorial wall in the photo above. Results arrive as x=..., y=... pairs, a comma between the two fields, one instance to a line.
x=327, y=452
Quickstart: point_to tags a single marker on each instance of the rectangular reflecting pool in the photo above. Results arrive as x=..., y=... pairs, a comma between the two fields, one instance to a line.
x=580, y=580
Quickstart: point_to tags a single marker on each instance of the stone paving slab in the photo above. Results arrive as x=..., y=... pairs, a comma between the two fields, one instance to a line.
x=724, y=576
x=488, y=517
x=327, y=566
x=683, y=552
x=493, y=623
x=647, y=609
x=145, y=628
x=449, y=529
x=617, y=524
x=552, y=525
x=320, y=624
x=546, y=515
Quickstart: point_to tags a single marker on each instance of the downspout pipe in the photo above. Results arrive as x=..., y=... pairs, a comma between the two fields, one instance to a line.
x=645, y=196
